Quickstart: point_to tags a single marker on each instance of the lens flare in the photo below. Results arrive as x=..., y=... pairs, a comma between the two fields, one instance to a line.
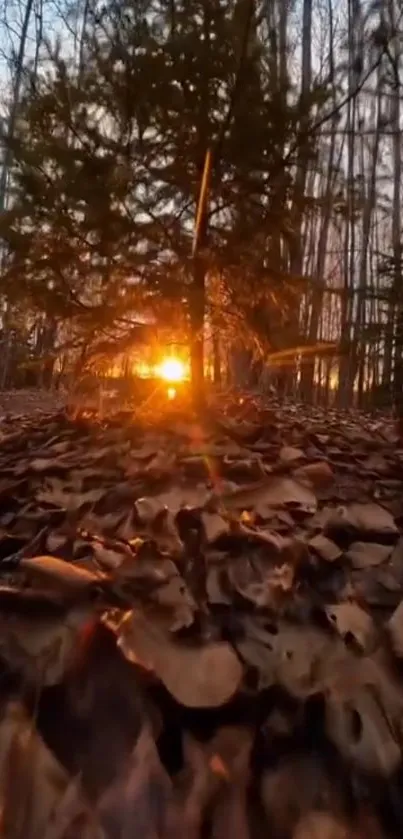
x=172, y=370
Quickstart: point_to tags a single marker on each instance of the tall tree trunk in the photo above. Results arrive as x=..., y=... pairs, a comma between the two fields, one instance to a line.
x=396, y=219
x=346, y=364
x=367, y=213
x=7, y=158
x=296, y=247
x=7, y=162
x=308, y=367
x=197, y=303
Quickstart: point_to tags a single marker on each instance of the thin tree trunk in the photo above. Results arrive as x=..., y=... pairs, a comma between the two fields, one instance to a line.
x=346, y=363
x=308, y=368
x=368, y=209
x=7, y=159
x=396, y=224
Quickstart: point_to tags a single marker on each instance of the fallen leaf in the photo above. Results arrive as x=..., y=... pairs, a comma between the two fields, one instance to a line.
x=67, y=500
x=147, y=509
x=376, y=463
x=232, y=748
x=42, y=648
x=33, y=785
x=137, y=803
x=299, y=658
x=185, y=496
x=276, y=491
x=288, y=454
x=175, y=595
x=352, y=623
x=359, y=729
x=395, y=630
x=265, y=537
x=55, y=541
x=161, y=463
x=293, y=789
x=365, y=520
x=259, y=584
x=64, y=574
x=215, y=587
x=73, y=816
x=318, y=474
x=214, y=526
x=321, y=825
x=206, y=676
x=366, y=554
x=325, y=548
x=107, y=557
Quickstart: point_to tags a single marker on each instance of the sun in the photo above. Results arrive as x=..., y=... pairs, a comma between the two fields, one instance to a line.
x=172, y=370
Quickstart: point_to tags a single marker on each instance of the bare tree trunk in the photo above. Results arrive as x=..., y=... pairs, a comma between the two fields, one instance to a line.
x=308, y=368
x=368, y=209
x=347, y=353
x=296, y=250
x=397, y=221
x=7, y=160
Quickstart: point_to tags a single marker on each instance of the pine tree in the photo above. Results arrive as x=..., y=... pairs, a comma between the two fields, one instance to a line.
x=108, y=161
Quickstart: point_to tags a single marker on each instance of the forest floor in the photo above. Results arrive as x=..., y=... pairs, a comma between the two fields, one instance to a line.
x=201, y=624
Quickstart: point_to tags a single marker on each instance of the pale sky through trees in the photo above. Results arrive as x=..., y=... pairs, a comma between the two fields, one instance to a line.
x=351, y=217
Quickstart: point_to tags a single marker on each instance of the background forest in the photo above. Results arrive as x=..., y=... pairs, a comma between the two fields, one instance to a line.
x=110, y=113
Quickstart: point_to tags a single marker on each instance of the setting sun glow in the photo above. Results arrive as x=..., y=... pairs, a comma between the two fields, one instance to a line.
x=172, y=370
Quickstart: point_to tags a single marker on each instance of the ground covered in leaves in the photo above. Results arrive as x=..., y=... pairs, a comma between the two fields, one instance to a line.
x=201, y=626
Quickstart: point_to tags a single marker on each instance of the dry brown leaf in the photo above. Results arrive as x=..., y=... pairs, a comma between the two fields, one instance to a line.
x=291, y=791
x=215, y=591
x=42, y=649
x=376, y=463
x=265, y=536
x=351, y=622
x=42, y=464
x=61, y=448
x=175, y=596
x=262, y=583
x=395, y=630
x=164, y=532
x=296, y=657
x=163, y=462
x=366, y=554
x=184, y=496
x=33, y=785
x=318, y=474
x=233, y=747
x=276, y=491
x=199, y=783
x=109, y=558
x=147, y=509
x=321, y=825
x=138, y=802
x=206, y=676
x=363, y=519
x=61, y=573
x=288, y=454
x=55, y=541
x=214, y=526
x=73, y=817
x=325, y=548
x=67, y=499
x=360, y=730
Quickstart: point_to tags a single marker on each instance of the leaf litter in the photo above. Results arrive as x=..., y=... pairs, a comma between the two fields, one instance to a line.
x=168, y=591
